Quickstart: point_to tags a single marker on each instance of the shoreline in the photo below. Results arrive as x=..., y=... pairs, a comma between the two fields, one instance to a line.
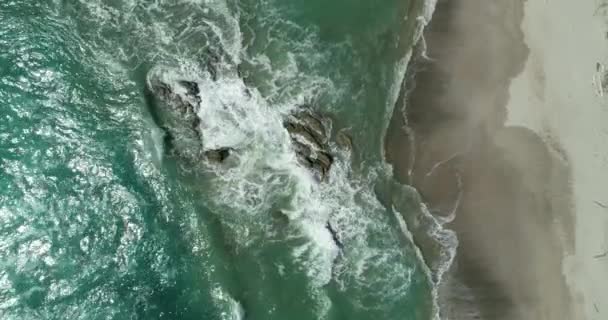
x=480, y=140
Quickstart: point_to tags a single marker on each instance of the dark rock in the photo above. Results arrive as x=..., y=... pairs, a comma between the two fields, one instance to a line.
x=334, y=235
x=310, y=137
x=302, y=130
x=323, y=162
x=213, y=59
x=218, y=155
x=176, y=112
x=192, y=87
x=344, y=140
x=315, y=125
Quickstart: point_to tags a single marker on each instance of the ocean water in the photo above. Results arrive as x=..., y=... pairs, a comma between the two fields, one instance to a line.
x=100, y=220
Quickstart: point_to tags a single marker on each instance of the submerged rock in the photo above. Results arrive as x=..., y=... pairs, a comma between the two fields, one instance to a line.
x=218, y=155
x=334, y=235
x=344, y=140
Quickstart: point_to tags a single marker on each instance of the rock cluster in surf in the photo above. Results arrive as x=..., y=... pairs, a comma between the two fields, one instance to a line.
x=178, y=115
x=310, y=138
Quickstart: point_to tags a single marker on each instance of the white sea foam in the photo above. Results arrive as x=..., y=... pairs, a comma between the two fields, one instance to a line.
x=263, y=170
x=233, y=309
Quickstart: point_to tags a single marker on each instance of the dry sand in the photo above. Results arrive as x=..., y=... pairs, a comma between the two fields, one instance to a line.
x=507, y=126
x=560, y=96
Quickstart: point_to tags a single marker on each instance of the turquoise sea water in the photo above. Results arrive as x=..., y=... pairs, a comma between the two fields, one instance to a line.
x=98, y=220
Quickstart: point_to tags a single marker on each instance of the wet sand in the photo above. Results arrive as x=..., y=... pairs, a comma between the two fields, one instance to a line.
x=509, y=187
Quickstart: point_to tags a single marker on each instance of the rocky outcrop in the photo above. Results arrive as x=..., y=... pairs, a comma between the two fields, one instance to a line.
x=334, y=235
x=176, y=105
x=310, y=136
x=175, y=110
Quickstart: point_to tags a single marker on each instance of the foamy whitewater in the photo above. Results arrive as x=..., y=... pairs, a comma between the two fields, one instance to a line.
x=140, y=231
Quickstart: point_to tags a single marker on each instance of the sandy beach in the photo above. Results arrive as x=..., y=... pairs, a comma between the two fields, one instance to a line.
x=560, y=96
x=506, y=126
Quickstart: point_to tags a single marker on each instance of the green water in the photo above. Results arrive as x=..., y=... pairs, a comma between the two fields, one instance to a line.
x=98, y=222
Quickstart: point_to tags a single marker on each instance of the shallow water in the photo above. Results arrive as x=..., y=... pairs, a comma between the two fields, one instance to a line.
x=99, y=220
